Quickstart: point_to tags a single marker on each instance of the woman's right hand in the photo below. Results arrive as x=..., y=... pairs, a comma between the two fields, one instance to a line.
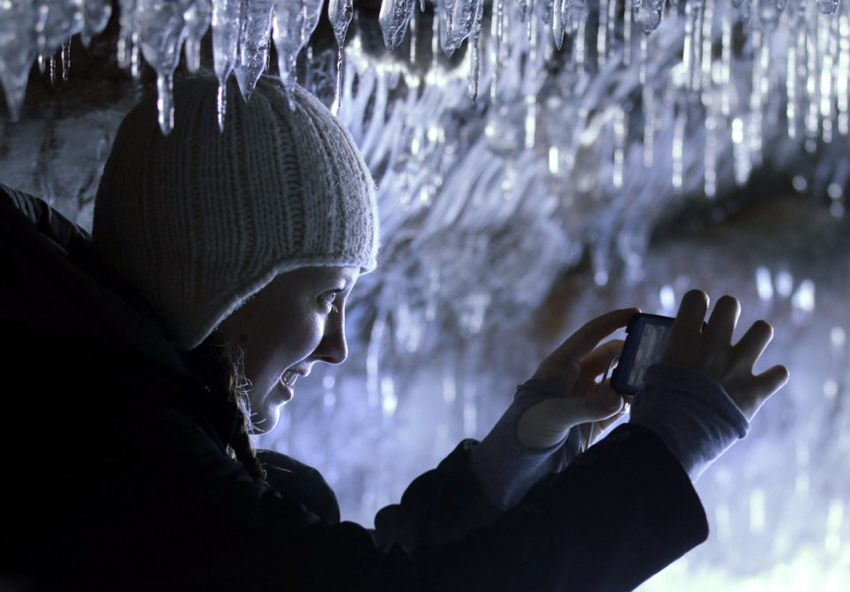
x=708, y=349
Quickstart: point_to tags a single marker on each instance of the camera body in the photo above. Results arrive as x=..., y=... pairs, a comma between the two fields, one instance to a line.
x=646, y=338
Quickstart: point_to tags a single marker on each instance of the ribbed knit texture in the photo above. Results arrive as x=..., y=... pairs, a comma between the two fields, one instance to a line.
x=201, y=220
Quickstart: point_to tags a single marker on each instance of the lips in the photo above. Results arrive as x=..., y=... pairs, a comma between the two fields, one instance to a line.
x=289, y=377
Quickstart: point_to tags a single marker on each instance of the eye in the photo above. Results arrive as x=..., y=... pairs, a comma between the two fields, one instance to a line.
x=328, y=299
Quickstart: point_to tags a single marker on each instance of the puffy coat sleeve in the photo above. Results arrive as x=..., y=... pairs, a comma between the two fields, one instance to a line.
x=195, y=520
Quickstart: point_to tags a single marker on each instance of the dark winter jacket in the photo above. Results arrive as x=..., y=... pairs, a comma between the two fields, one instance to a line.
x=116, y=475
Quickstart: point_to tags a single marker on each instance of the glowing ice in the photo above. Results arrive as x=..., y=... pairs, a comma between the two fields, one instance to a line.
x=161, y=31
x=294, y=22
x=253, y=54
x=647, y=14
x=96, y=16
x=460, y=17
x=226, y=27
x=393, y=18
x=17, y=52
x=197, y=17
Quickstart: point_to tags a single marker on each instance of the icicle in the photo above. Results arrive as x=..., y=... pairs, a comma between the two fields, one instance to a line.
x=842, y=76
x=530, y=121
x=558, y=24
x=57, y=22
x=602, y=33
x=16, y=59
x=740, y=151
x=374, y=351
x=579, y=42
x=41, y=63
x=612, y=25
x=627, y=33
x=688, y=49
x=128, y=38
x=96, y=17
x=710, y=156
x=566, y=17
x=340, y=13
x=757, y=96
x=460, y=18
x=576, y=15
x=414, y=26
x=65, y=53
x=127, y=20
x=255, y=30
x=679, y=147
x=811, y=120
x=161, y=31
x=827, y=88
x=52, y=68
x=435, y=46
x=828, y=6
x=135, y=57
x=648, y=127
x=197, y=18
x=524, y=8
x=497, y=39
x=791, y=91
x=475, y=51
x=165, y=101
x=620, y=132
x=648, y=14
x=726, y=65
x=706, y=84
x=393, y=18
x=533, y=47
x=294, y=22
x=338, y=80
x=226, y=27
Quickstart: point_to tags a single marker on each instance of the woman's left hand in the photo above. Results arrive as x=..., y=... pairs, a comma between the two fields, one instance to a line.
x=575, y=366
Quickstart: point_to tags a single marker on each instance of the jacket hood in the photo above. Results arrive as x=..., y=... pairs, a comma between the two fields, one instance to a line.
x=55, y=281
x=56, y=285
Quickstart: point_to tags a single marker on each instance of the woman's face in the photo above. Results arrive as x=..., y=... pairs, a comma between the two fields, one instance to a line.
x=295, y=321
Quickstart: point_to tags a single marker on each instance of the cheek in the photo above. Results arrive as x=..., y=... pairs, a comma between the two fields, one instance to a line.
x=293, y=338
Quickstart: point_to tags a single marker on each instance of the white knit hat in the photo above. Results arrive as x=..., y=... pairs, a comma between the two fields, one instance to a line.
x=201, y=220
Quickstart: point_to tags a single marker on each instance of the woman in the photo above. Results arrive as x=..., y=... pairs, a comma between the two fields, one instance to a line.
x=138, y=360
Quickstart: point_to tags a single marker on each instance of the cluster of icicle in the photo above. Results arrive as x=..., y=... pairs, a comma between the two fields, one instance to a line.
x=33, y=30
x=160, y=30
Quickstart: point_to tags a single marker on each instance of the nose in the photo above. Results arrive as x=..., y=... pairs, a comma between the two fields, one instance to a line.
x=333, y=348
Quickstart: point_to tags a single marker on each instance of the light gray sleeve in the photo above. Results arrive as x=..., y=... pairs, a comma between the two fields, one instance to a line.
x=691, y=413
x=504, y=468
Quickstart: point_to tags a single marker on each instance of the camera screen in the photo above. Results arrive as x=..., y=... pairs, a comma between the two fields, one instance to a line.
x=653, y=338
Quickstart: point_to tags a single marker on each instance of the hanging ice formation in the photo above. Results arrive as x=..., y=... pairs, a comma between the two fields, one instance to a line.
x=790, y=71
x=255, y=23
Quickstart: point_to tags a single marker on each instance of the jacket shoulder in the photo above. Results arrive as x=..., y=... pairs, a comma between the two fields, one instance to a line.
x=295, y=480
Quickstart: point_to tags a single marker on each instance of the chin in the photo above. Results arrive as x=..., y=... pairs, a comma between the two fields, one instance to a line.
x=265, y=421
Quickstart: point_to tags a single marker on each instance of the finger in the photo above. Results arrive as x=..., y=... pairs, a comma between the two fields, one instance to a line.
x=597, y=361
x=723, y=319
x=591, y=408
x=691, y=315
x=771, y=380
x=749, y=349
x=580, y=343
x=763, y=387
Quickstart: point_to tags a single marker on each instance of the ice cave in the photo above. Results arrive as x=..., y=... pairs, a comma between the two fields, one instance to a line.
x=538, y=162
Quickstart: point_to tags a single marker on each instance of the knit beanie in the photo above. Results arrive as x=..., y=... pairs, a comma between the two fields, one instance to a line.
x=200, y=220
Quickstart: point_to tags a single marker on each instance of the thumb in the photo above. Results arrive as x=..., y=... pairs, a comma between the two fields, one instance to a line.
x=594, y=407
